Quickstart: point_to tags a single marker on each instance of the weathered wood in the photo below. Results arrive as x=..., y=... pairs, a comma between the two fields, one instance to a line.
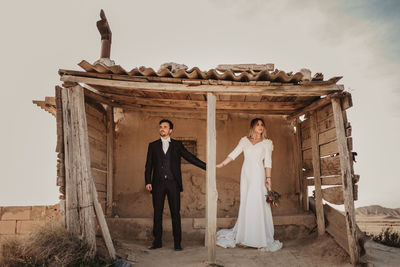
x=81, y=165
x=333, y=195
x=347, y=181
x=171, y=100
x=110, y=158
x=329, y=149
x=330, y=180
x=335, y=225
x=71, y=195
x=329, y=166
x=300, y=181
x=212, y=194
x=103, y=224
x=245, y=67
x=317, y=174
x=290, y=90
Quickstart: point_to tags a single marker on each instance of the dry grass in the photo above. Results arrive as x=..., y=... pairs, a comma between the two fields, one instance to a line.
x=50, y=245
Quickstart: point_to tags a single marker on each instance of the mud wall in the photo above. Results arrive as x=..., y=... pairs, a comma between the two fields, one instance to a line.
x=134, y=130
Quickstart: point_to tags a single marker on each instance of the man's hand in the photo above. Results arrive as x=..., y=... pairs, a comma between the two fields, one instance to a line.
x=148, y=187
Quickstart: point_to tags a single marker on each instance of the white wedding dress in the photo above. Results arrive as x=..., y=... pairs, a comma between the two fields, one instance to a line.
x=254, y=226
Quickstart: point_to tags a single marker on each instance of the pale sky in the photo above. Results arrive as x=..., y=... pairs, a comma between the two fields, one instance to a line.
x=359, y=41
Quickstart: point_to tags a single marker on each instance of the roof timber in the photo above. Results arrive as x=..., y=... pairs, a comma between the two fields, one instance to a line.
x=195, y=86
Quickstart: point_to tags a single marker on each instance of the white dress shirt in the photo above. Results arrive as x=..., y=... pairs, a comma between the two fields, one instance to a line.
x=165, y=144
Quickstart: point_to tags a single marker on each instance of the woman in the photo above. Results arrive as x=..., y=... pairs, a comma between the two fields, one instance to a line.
x=254, y=226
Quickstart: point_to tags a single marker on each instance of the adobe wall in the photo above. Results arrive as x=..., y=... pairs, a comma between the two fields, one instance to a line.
x=18, y=221
x=134, y=130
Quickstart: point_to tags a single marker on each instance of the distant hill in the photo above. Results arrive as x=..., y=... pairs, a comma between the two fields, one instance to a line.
x=376, y=210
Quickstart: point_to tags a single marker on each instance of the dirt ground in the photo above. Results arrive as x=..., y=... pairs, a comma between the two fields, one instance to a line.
x=308, y=251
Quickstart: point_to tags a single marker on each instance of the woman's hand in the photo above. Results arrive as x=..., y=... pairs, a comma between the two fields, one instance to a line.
x=268, y=183
x=219, y=165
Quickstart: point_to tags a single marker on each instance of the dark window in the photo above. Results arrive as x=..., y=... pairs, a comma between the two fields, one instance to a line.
x=190, y=144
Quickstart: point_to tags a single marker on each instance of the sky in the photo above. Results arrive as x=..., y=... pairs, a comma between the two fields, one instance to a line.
x=357, y=39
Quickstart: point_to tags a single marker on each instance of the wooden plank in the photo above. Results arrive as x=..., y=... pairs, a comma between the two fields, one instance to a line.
x=97, y=135
x=317, y=175
x=212, y=195
x=335, y=225
x=329, y=149
x=326, y=124
x=171, y=102
x=99, y=176
x=82, y=167
x=103, y=224
x=245, y=67
x=71, y=198
x=307, y=155
x=282, y=89
x=329, y=166
x=300, y=181
x=330, y=180
x=110, y=158
x=346, y=181
x=333, y=195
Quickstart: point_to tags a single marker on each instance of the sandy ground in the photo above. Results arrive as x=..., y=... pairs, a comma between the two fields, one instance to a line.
x=309, y=251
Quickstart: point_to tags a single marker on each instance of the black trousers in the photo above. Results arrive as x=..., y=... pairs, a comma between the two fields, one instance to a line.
x=170, y=189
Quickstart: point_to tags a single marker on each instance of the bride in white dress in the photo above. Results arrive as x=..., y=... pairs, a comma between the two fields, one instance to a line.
x=254, y=226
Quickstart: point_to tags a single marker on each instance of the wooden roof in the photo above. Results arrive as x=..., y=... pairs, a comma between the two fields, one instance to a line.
x=237, y=91
x=255, y=92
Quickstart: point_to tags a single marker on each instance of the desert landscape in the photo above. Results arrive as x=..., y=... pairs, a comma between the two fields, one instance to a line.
x=372, y=219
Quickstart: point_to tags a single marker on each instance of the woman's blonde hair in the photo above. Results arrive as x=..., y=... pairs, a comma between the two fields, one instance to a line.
x=252, y=132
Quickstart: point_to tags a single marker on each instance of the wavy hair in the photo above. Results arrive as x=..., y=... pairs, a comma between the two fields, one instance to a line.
x=252, y=131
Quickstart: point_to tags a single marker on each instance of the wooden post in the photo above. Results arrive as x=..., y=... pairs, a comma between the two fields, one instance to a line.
x=212, y=194
x=346, y=181
x=110, y=158
x=303, y=192
x=77, y=161
x=60, y=154
x=103, y=223
x=319, y=208
x=71, y=195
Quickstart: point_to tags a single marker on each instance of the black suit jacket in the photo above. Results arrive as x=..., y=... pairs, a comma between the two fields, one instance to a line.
x=153, y=174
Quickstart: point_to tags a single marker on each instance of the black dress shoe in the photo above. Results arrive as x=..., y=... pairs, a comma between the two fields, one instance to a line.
x=178, y=248
x=155, y=246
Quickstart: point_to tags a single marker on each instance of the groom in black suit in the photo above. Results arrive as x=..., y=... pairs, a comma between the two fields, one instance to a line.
x=163, y=177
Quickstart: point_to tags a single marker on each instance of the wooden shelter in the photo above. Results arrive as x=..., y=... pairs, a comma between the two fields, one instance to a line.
x=86, y=104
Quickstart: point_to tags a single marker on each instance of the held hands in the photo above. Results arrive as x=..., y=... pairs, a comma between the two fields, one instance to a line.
x=149, y=187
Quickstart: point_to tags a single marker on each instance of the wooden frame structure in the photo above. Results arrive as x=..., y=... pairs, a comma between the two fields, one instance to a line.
x=87, y=99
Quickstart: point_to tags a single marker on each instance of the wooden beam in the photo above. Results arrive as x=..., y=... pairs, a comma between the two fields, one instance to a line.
x=82, y=166
x=71, y=195
x=78, y=162
x=323, y=102
x=346, y=181
x=212, y=194
x=245, y=67
x=60, y=154
x=284, y=89
x=301, y=181
x=103, y=223
x=110, y=158
x=317, y=174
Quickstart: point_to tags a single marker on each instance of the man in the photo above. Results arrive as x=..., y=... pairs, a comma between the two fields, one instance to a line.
x=163, y=177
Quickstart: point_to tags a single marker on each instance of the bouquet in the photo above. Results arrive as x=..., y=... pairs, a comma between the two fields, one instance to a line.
x=273, y=197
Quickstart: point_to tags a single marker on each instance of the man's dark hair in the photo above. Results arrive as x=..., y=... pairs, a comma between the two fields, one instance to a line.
x=171, y=125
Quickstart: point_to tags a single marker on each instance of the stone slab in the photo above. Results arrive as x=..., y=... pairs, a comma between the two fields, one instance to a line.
x=7, y=227
x=16, y=213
